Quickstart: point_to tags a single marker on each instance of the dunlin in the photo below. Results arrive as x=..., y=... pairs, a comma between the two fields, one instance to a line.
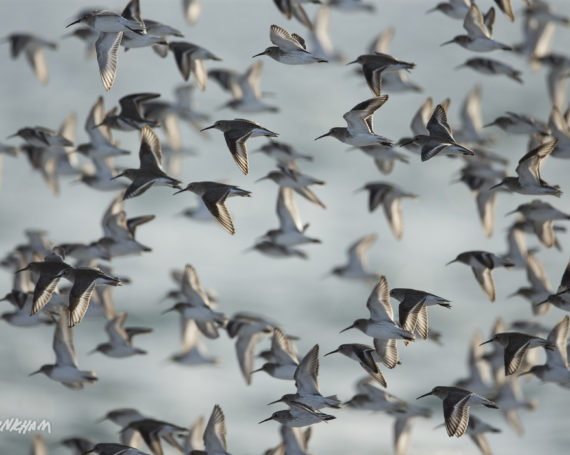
x=514, y=123
x=49, y=273
x=456, y=9
x=377, y=63
x=482, y=262
x=249, y=329
x=556, y=367
x=290, y=177
x=357, y=262
x=150, y=168
x=479, y=28
x=121, y=338
x=307, y=386
x=542, y=215
x=291, y=230
x=381, y=325
x=456, y=402
x=412, y=311
x=561, y=299
x=236, y=132
x=131, y=115
x=65, y=369
x=190, y=59
x=193, y=349
x=33, y=46
x=364, y=355
x=390, y=196
x=516, y=345
x=84, y=280
x=528, y=180
x=284, y=360
x=289, y=49
x=492, y=67
x=299, y=415
x=440, y=137
x=214, y=196
x=359, y=132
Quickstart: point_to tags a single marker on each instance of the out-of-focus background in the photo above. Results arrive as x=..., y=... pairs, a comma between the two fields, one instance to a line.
x=440, y=224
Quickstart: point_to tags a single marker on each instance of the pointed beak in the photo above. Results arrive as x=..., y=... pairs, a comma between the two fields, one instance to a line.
x=168, y=311
x=35, y=372
x=262, y=178
x=332, y=352
x=496, y=185
x=485, y=342
x=208, y=128
x=102, y=419
x=257, y=55
x=256, y=371
x=266, y=420
x=276, y=401
x=93, y=351
x=511, y=212
x=348, y=328
x=117, y=176
x=526, y=372
x=460, y=66
x=451, y=262
x=324, y=135
x=448, y=42
x=179, y=191
x=11, y=135
x=424, y=395
x=73, y=23
x=354, y=61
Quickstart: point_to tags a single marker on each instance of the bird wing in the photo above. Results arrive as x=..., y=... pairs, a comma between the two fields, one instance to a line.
x=137, y=187
x=190, y=333
x=558, y=336
x=421, y=118
x=359, y=118
x=245, y=347
x=514, y=353
x=235, y=140
x=536, y=274
x=387, y=351
x=474, y=23
x=63, y=341
x=529, y=165
x=393, y=212
x=215, y=433
x=107, y=46
x=115, y=328
x=357, y=251
x=192, y=288
x=471, y=112
x=379, y=302
x=456, y=415
x=287, y=212
x=79, y=298
x=402, y=435
x=437, y=125
x=485, y=279
x=150, y=154
x=282, y=349
x=283, y=39
x=215, y=203
x=307, y=372
x=45, y=287
x=486, y=201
